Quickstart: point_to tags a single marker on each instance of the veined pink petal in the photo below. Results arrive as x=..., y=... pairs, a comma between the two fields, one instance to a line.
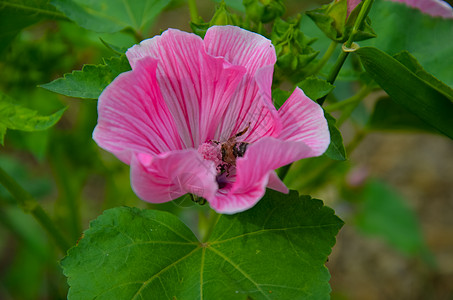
x=170, y=175
x=352, y=4
x=303, y=120
x=435, y=8
x=253, y=171
x=196, y=87
x=247, y=107
x=132, y=116
x=240, y=47
x=276, y=184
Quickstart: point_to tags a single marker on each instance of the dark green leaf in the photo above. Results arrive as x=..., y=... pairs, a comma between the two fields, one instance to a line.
x=315, y=87
x=389, y=115
x=385, y=214
x=408, y=90
x=91, y=80
x=15, y=15
x=412, y=64
x=400, y=27
x=275, y=250
x=13, y=116
x=112, y=15
x=336, y=148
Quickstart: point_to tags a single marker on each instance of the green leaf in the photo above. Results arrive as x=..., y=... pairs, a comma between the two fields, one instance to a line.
x=15, y=15
x=336, y=148
x=408, y=90
x=389, y=115
x=315, y=88
x=113, y=15
x=410, y=62
x=91, y=80
x=385, y=214
x=333, y=20
x=276, y=250
x=13, y=116
x=400, y=27
x=279, y=97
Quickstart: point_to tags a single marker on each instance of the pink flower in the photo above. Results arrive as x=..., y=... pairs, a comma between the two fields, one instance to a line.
x=435, y=8
x=190, y=108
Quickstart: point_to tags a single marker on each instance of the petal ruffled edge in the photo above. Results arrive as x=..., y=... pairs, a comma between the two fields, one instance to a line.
x=255, y=171
x=303, y=120
x=167, y=176
x=132, y=115
x=240, y=47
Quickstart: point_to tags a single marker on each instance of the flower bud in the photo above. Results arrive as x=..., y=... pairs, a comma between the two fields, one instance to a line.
x=264, y=11
x=292, y=48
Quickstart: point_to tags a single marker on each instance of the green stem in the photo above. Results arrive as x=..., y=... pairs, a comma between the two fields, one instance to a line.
x=343, y=55
x=362, y=93
x=66, y=189
x=193, y=10
x=325, y=58
x=30, y=205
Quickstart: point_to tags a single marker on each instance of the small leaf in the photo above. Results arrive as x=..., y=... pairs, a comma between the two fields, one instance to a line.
x=91, y=80
x=389, y=115
x=276, y=250
x=315, y=88
x=13, y=116
x=409, y=90
x=384, y=213
x=336, y=148
x=113, y=15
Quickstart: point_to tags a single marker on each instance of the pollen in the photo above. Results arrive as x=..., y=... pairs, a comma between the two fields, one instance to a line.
x=211, y=151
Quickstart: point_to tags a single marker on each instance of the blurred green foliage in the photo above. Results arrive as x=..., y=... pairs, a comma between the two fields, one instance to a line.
x=75, y=181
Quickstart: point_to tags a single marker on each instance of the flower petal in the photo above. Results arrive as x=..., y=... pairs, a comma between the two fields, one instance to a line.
x=253, y=172
x=435, y=8
x=248, y=107
x=197, y=87
x=170, y=175
x=132, y=115
x=303, y=120
x=276, y=184
x=240, y=47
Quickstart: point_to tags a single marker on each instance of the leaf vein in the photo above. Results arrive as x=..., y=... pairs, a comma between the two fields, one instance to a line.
x=240, y=271
x=273, y=229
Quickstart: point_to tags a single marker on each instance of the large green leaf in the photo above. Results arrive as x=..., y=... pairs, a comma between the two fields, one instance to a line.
x=412, y=64
x=400, y=27
x=13, y=116
x=15, y=15
x=91, y=80
x=389, y=115
x=112, y=15
x=409, y=90
x=275, y=250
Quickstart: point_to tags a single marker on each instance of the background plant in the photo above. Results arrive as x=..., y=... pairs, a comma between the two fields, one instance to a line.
x=58, y=178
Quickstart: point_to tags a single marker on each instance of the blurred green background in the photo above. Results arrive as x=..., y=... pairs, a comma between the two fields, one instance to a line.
x=394, y=191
